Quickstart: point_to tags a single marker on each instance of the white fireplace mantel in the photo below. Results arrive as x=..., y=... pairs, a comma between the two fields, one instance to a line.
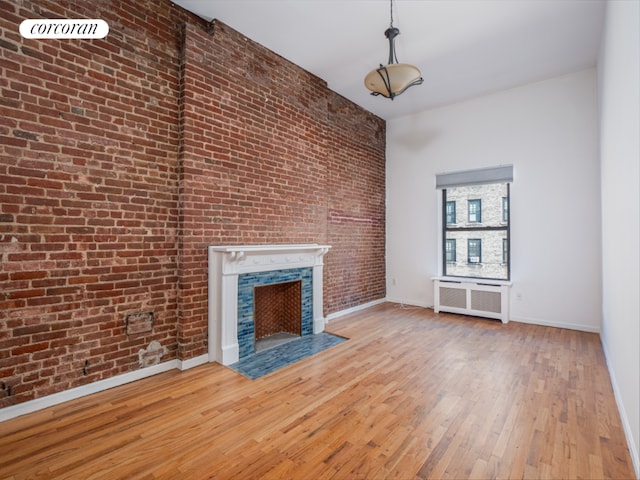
x=226, y=263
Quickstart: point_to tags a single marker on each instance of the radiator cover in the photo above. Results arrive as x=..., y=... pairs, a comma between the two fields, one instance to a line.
x=481, y=298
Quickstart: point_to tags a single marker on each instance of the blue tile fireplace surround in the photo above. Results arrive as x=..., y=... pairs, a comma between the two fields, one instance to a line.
x=246, y=285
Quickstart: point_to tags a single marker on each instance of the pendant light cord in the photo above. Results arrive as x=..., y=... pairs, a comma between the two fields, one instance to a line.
x=392, y=48
x=391, y=13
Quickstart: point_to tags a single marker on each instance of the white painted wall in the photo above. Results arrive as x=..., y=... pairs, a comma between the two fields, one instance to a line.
x=619, y=71
x=549, y=132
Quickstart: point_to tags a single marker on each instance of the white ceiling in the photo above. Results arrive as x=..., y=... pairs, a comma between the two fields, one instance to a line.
x=464, y=48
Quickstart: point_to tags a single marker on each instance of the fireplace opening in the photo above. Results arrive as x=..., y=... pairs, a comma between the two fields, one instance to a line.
x=277, y=314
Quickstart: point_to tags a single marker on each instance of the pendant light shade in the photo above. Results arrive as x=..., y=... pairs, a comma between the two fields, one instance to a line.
x=394, y=78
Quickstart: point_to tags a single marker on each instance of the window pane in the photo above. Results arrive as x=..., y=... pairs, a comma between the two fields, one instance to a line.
x=450, y=250
x=481, y=234
x=505, y=251
x=451, y=212
x=474, y=211
x=505, y=209
x=474, y=250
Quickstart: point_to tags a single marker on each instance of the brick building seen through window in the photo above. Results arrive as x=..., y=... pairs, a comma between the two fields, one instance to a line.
x=476, y=231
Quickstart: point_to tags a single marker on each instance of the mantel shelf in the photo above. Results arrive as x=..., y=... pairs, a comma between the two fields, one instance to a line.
x=269, y=248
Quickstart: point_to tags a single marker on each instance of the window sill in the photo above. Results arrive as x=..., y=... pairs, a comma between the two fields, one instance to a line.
x=484, y=281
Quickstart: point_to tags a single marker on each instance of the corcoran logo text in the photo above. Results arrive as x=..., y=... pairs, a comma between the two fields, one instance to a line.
x=64, y=28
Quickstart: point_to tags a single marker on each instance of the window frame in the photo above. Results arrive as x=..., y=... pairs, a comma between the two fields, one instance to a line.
x=506, y=226
x=478, y=242
x=449, y=241
x=448, y=213
x=478, y=213
x=505, y=251
x=505, y=209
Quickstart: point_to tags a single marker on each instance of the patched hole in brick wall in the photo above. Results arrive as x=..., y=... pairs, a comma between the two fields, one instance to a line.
x=139, y=323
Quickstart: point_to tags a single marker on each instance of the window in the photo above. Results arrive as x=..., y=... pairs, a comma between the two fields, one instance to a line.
x=450, y=251
x=475, y=207
x=482, y=237
x=474, y=250
x=505, y=251
x=505, y=209
x=451, y=212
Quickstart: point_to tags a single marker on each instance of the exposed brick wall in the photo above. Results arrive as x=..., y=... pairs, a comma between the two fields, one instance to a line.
x=356, y=214
x=88, y=194
x=121, y=159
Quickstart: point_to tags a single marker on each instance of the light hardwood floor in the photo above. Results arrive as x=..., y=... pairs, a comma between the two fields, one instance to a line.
x=411, y=395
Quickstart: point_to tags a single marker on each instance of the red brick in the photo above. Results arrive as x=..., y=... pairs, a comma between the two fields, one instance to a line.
x=30, y=348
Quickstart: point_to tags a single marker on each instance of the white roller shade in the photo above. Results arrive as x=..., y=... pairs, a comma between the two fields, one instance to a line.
x=480, y=176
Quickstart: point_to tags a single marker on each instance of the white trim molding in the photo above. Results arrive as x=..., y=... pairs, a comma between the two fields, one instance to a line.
x=31, y=406
x=549, y=323
x=624, y=418
x=192, y=362
x=357, y=308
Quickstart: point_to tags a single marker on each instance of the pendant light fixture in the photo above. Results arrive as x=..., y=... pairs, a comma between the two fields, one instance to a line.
x=394, y=78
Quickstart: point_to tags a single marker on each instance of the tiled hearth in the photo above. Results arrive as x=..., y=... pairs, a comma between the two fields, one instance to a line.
x=234, y=271
x=263, y=363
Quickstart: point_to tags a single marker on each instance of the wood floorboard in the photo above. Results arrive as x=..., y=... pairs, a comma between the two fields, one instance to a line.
x=412, y=395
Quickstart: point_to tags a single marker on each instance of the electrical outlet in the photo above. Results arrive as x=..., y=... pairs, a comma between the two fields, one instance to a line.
x=519, y=296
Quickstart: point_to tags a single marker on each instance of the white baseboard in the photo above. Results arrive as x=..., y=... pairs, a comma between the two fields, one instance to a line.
x=193, y=362
x=31, y=406
x=546, y=323
x=633, y=448
x=409, y=302
x=418, y=303
x=357, y=308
